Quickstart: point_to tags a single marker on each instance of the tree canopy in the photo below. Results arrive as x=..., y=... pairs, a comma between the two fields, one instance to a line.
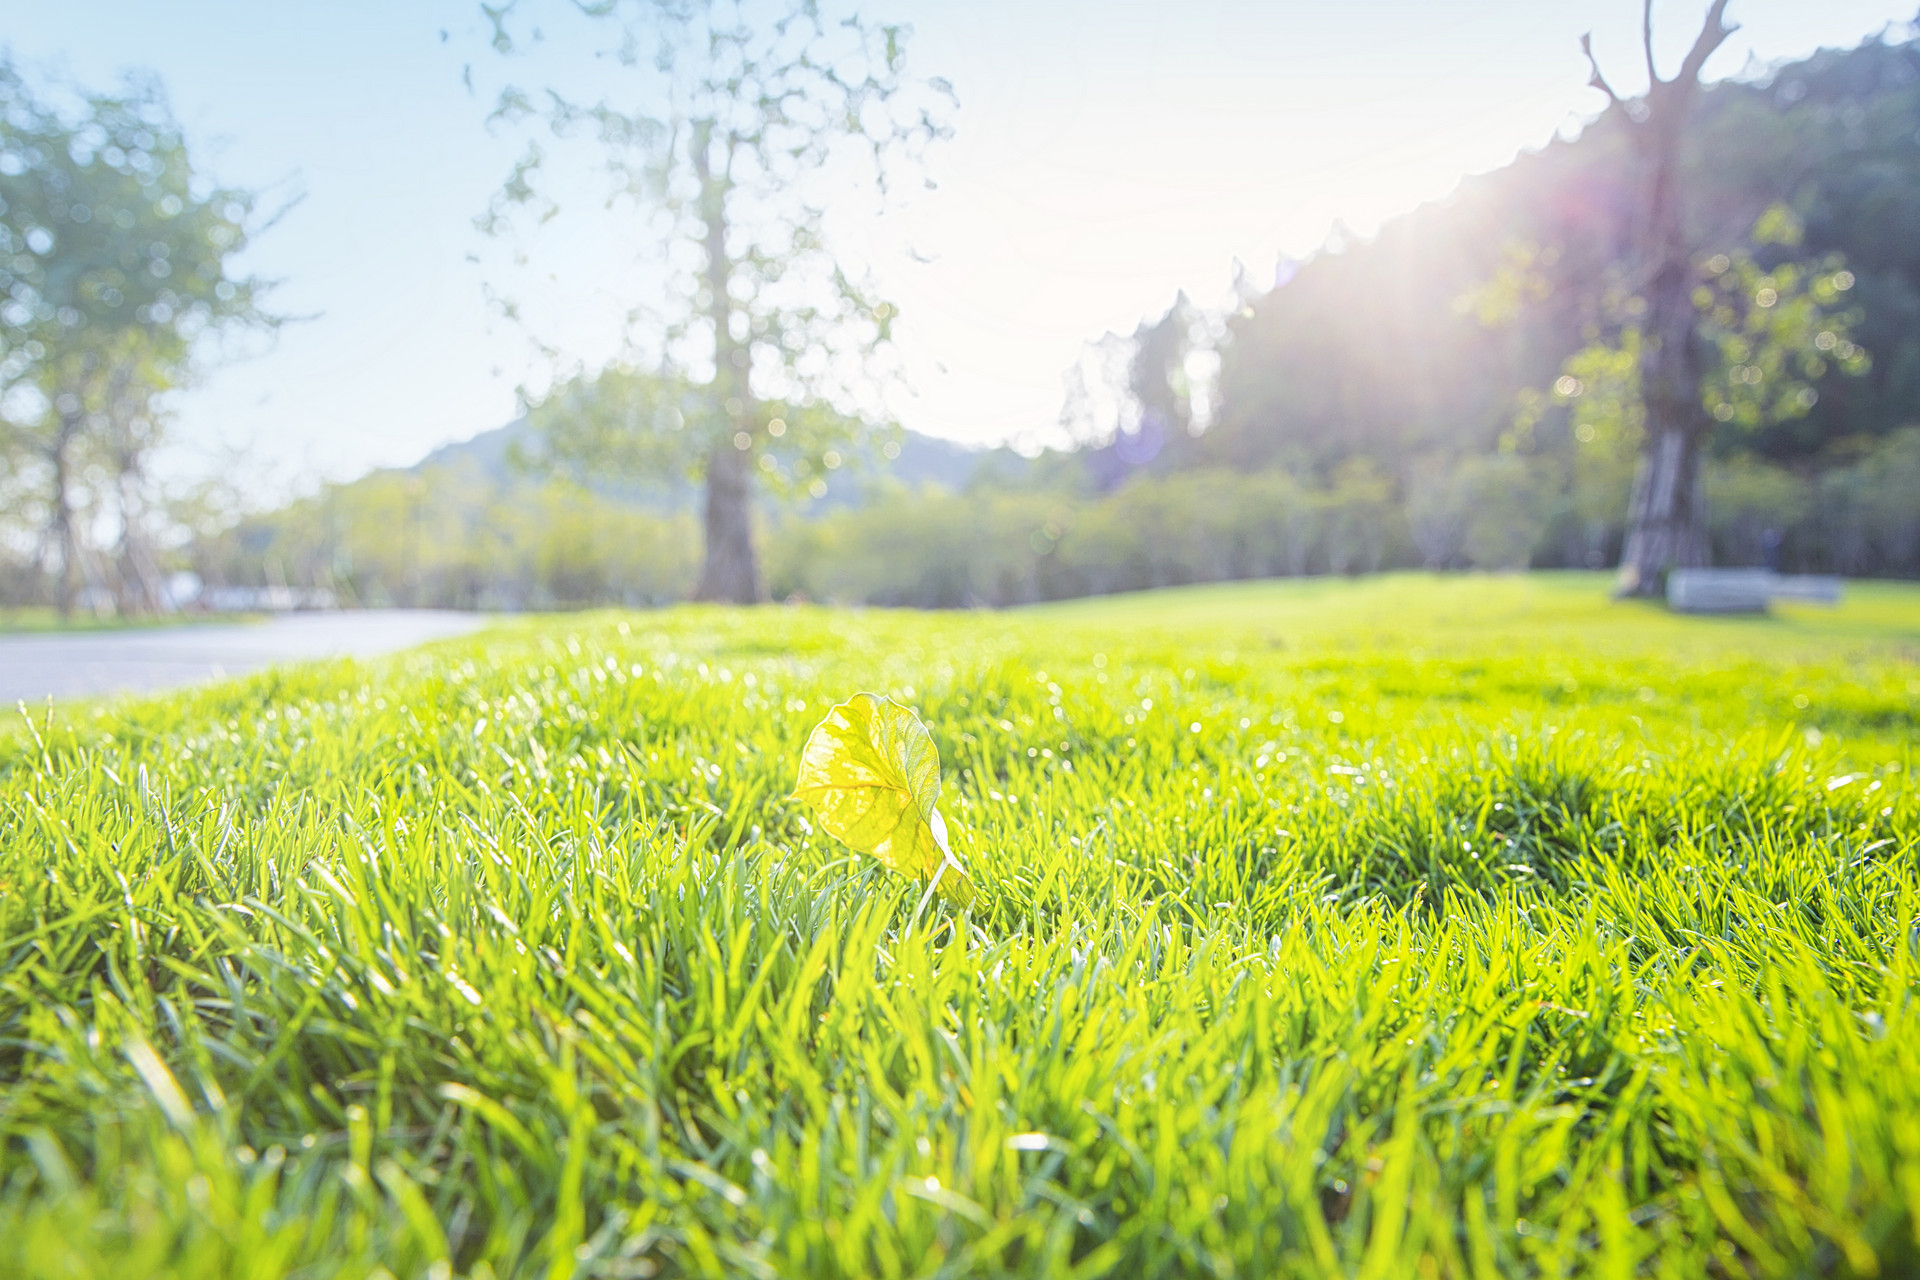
x=114, y=265
x=735, y=131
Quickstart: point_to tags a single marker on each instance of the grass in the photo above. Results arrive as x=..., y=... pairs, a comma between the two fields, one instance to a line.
x=1404, y=928
x=37, y=620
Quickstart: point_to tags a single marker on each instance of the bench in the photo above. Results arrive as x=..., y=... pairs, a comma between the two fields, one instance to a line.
x=1745, y=590
x=1807, y=588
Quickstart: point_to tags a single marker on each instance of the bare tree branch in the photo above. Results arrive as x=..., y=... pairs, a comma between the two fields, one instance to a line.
x=1646, y=43
x=1597, y=80
x=1713, y=33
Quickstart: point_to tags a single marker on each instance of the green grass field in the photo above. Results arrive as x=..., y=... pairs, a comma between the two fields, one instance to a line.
x=1408, y=927
x=45, y=620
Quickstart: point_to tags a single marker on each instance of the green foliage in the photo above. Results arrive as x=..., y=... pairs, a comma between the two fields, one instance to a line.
x=1775, y=332
x=1772, y=333
x=114, y=270
x=1601, y=385
x=105, y=238
x=1488, y=511
x=1866, y=520
x=1195, y=526
x=1508, y=513
x=1408, y=927
x=1747, y=498
x=449, y=536
x=936, y=549
x=1359, y=508
x=1423, y=342
x=628, y=423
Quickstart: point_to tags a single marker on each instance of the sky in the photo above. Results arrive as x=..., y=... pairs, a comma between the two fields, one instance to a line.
x=1106, y=154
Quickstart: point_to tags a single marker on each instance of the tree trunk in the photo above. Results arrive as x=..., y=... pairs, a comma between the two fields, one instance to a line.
x=1666, y=515
x=66, y=535
x=136, y=585
x=1666, y=519
x=731, y=574
x=137, y=589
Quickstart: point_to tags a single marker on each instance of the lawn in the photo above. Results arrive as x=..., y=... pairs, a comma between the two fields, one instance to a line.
x=1407, y=927
x=35, y=621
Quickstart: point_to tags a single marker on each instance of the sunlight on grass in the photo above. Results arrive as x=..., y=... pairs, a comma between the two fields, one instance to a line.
x=1405, y=927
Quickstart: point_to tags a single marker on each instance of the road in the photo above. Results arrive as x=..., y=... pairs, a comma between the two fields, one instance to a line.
x=39, y=665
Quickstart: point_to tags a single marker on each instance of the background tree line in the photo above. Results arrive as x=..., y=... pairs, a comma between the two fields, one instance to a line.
x=453, y=534
x=1460, y=390
x=1012, y=530
x=114, y=273
x=1500, y=322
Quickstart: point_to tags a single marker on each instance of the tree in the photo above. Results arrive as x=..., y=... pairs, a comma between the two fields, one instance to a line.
x=1666, y=516
x=1760, y=336
x=113, y=262
x=623, y=421
x=1507, y=513
x=1157, y=375
x=1439, y=503
x=1358, y=505
x=731, y=117
x=1130, y=399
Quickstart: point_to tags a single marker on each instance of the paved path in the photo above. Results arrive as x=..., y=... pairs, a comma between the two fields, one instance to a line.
x=39, y=665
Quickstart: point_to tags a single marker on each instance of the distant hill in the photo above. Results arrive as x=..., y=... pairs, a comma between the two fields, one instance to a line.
x=1384, y=351
x=923, y=460
x=489, y=451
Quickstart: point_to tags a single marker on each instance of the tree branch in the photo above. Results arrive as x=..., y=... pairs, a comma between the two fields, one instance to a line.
x=1713, y=33
x=1646, y=43
x=1597, y=80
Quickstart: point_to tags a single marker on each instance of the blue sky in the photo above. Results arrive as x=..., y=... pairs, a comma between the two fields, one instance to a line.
x=1106, y=155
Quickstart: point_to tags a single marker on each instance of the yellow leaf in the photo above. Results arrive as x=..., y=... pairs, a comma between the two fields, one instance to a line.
x=872, y=775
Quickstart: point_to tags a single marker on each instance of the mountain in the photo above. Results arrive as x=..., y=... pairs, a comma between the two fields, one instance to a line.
x=922, y=461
